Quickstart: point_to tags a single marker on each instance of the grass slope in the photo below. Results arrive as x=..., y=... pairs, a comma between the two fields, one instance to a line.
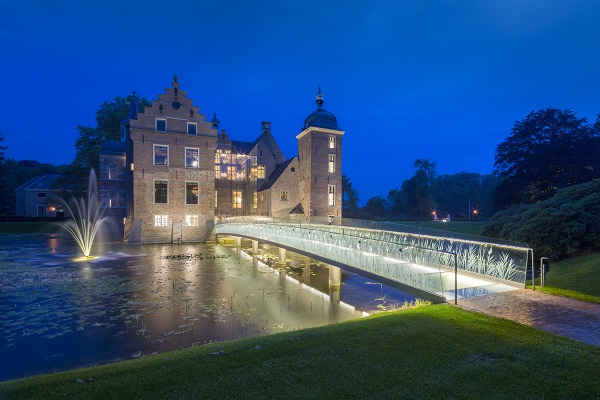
x=577, y=277
x=471, y=228
x=14, y=228
x=437, y=351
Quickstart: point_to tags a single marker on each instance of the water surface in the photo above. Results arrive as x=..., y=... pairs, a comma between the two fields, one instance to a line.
x=57, y=313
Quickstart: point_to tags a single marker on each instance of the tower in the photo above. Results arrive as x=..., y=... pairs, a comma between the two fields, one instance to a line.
x=320, y=154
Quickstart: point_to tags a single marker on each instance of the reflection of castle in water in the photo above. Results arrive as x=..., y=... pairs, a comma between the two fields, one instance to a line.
x=339, y=287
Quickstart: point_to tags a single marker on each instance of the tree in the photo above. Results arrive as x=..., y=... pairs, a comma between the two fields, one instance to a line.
x=350, y=197
x=4, y=185
x=549, y=149
x=109, y=117
x=419, y=190
x=396, y=202
x=454, y=192
x=376, y=206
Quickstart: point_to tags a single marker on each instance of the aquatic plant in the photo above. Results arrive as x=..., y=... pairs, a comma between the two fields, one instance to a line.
x=86, y=217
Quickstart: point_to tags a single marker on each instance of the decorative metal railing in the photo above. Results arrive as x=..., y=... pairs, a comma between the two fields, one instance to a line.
x=424, y=259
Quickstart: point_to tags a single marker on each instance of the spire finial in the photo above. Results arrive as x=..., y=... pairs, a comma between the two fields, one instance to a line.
x=175, y=78
x=320, y=100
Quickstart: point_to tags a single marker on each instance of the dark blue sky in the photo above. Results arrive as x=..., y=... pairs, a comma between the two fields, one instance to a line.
x=407, y=79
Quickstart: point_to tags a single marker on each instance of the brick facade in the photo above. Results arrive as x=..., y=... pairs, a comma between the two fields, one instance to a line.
x=160, y=156
x=177, y=173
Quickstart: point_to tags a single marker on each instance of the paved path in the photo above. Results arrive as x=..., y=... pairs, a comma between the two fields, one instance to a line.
x=576, y=319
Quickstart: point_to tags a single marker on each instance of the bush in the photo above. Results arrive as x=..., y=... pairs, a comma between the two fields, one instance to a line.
x=560, y=227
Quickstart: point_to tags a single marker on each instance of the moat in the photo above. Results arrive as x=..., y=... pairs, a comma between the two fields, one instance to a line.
x=57, y=313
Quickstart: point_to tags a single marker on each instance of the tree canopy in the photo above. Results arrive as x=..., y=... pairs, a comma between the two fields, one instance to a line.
x=108, y=121
x=549, y=149
x=350, y=197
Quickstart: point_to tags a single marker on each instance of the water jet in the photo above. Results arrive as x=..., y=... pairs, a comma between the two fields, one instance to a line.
x=86, y=217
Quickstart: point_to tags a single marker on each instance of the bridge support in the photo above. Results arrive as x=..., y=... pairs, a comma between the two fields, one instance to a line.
x=238, y=242
x=255, y=247
x=282, y=256
x=335, y=277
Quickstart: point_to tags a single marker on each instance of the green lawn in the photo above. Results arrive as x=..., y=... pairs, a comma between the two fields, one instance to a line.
x=471, y=228
x=28, y=227
x=436, y=351
x=577, y=277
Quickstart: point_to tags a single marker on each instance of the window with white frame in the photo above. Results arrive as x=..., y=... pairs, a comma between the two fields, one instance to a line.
x=191, y=220
x=112, y=198
x=161, y=124
x=284, y=195
x=191, y=193
x=331, y=195
x=112, y=172
x=161, y=190
x=192, y=159
x=161, y=220
x=332, y=142
x=216, y=198
x=331, y=163
x=237, y=199
x=191, y=128
x=161, y=154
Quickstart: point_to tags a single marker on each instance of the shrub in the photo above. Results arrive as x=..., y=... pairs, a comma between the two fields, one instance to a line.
x=562, y=226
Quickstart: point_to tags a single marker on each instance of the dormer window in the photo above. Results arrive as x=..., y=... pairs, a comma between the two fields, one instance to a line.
x=161, y=124
x=191, y=128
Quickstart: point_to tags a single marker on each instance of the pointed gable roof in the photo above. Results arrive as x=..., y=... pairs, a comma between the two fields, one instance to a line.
x=279, y=169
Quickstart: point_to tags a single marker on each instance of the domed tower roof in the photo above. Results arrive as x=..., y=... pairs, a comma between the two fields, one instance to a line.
x=321, y=118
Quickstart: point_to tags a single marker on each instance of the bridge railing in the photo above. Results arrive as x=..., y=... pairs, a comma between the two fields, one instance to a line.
x=365, y=254
x=500, y=259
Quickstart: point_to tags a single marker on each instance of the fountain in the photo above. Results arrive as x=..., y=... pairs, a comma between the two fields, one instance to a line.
x=87, y=218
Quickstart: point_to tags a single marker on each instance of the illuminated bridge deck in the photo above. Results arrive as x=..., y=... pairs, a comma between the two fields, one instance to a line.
x=417, y=260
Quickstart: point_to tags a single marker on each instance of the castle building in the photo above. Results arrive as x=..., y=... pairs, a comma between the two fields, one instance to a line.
x=173, y=174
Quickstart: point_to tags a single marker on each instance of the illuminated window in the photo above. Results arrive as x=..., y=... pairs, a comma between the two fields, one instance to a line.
x=191, y=220
x=191, y=128
x=231, y=172
x=261, y=172
x=161, y=154
x=237, y=199
x=161, y=220
x=160, y=192
x=331, y=164
x=161, y=124
x=284, y=195
x=217, y=172
x=112, y=172
x=332, y=142
x=216, y=198
x=255, y=200
x=191, y=193
x=191, y=158
x=112, y=198
x=331, y=195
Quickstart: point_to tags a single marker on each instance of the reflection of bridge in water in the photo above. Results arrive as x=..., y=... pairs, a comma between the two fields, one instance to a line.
x=432, y=264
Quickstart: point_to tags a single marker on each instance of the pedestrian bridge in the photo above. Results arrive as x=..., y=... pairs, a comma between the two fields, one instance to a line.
x=432, y=264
